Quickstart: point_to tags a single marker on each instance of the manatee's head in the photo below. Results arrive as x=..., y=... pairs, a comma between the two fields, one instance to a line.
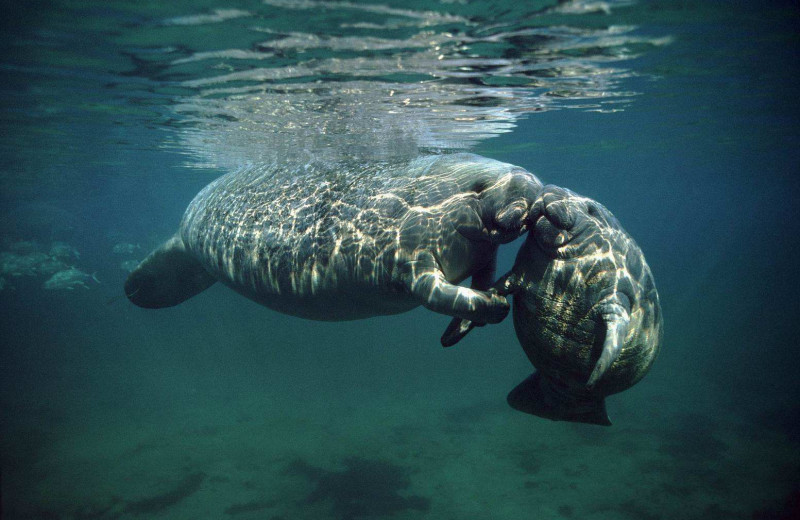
x=565, y=224
x=507, y=202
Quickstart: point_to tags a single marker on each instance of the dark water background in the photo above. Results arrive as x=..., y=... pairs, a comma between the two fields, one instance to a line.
x=219, y=408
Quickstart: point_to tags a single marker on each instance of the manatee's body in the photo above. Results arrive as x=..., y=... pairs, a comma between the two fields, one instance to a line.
x=586, y=310
x=345, y=243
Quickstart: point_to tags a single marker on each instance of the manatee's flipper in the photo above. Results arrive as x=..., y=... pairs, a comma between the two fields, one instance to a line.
x=167, y=277
x=456, y=330
x=459, y=327
x=542, y=396
x=428, y=284
x=439, y=295
x=616, y=320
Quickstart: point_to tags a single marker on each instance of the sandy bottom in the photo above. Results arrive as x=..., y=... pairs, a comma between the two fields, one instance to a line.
x=392, y=459
x=358, y=432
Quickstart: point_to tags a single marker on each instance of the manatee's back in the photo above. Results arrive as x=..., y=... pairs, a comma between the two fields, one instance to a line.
x=625, y=269
x=248, y=229
x=269, y=229
x=302, y=231
x=292, y=231
x=646, y=324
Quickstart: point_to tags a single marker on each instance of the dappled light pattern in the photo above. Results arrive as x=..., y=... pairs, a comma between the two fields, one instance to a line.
x=586, y=308
x=335, y=242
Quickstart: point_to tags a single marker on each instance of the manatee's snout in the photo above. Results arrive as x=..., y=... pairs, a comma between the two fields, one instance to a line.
x=549, y=234
x=508, y=203
x=511, y=218
x=558, y=207
x=554, y=218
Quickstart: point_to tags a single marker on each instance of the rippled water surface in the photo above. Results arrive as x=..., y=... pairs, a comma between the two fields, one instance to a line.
x=286, y=80
x=680, y=116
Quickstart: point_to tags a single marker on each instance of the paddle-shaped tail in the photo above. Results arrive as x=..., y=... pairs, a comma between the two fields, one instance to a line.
x=167, y=277
x=545, y=397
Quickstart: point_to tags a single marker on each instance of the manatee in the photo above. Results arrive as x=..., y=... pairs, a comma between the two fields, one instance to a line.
x=334, y=242
x=586, y=309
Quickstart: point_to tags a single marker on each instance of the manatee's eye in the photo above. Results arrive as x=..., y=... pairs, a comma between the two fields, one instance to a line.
x=480, y=186
x=592, y=210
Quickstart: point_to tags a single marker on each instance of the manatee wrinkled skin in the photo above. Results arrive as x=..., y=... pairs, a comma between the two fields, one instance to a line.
x=586, y=310
x=348, y=242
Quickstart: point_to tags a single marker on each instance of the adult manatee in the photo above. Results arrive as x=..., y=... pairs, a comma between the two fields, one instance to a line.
x=341, y=243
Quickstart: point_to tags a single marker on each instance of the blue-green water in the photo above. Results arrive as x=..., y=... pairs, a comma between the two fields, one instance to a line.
x=679, y=116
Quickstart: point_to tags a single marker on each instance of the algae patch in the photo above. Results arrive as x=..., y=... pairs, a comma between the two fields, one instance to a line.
x=187, y=487
x=365, y=488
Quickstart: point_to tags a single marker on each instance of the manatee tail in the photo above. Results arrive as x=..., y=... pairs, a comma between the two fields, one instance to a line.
x=545, y=397
x=167, y=277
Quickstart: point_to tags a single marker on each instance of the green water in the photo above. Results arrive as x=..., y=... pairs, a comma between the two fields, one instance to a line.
x=680, y=116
